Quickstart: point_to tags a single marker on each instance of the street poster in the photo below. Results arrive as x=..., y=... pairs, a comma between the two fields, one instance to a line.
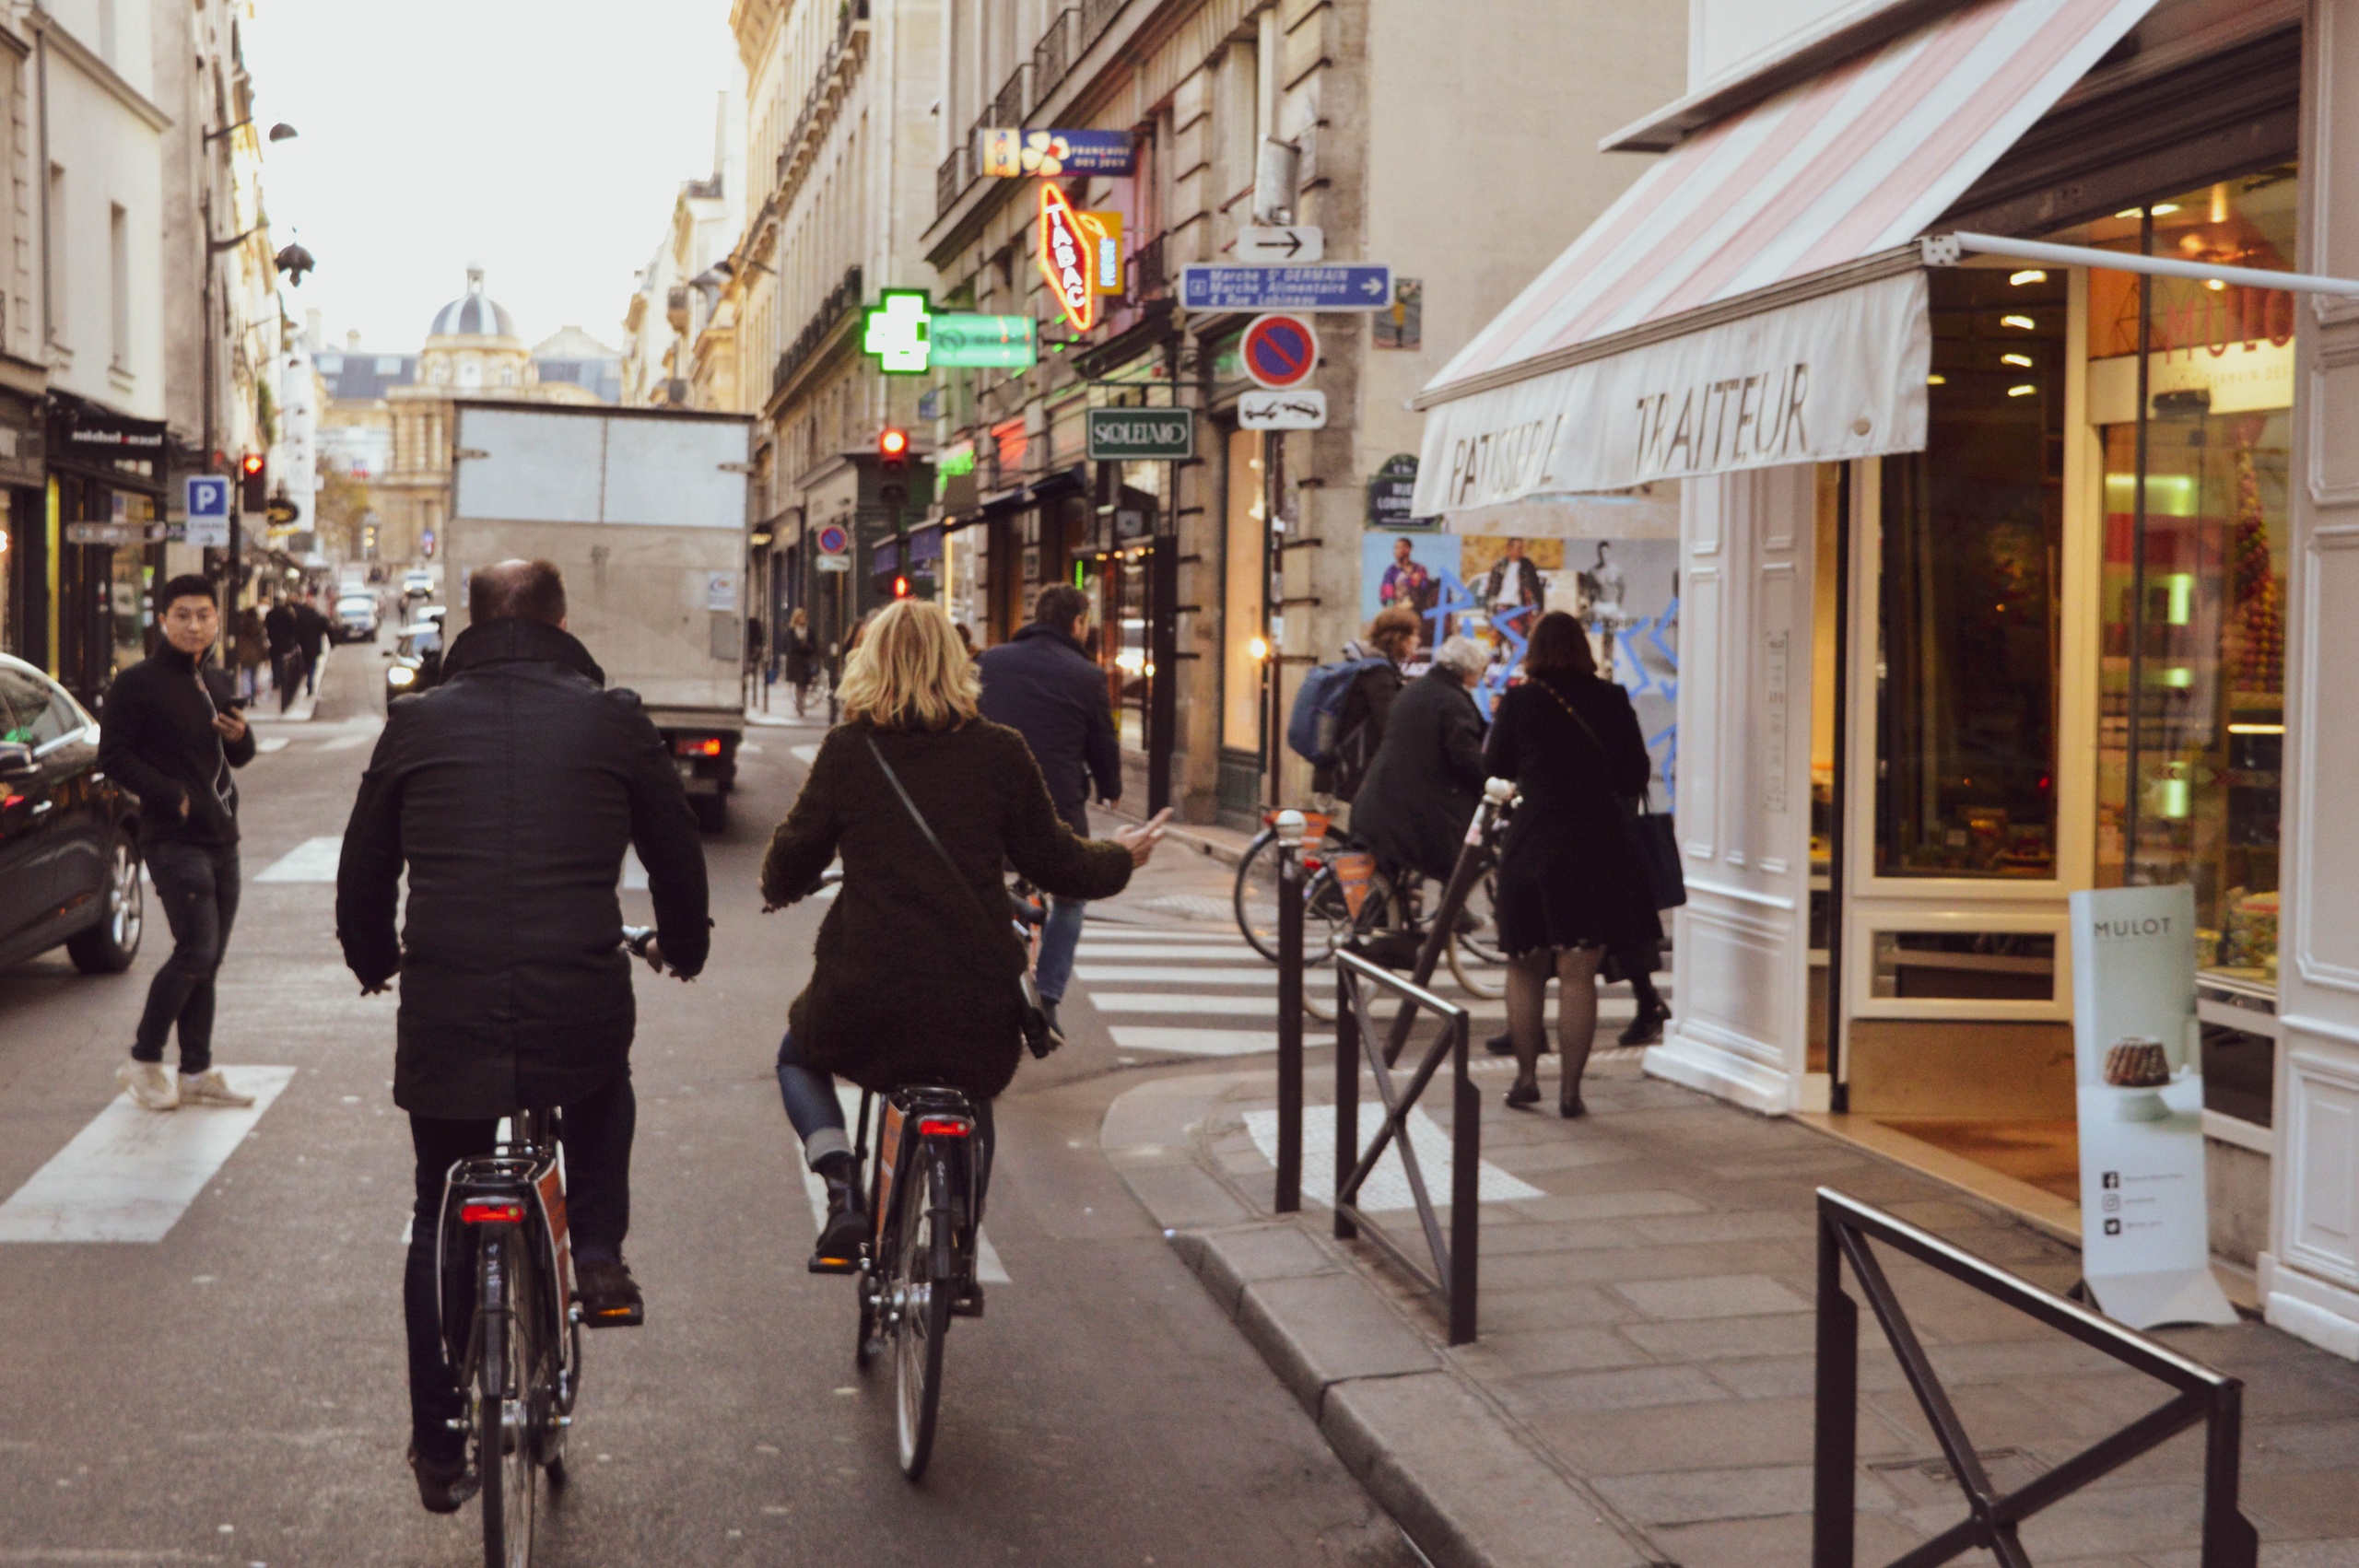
x=1406, y=572
x=2145, y=1222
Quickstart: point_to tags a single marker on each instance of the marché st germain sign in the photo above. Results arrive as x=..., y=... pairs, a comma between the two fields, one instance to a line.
x=1823, y=381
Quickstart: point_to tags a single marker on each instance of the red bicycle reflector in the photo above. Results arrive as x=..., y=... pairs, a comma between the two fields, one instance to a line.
x=491, y=1213
x=939, y=1127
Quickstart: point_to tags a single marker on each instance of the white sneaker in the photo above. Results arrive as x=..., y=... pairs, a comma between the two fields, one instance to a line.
x=149, y=1084
x=209, y=1088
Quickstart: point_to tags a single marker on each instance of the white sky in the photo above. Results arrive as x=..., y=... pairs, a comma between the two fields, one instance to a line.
x=543, y=139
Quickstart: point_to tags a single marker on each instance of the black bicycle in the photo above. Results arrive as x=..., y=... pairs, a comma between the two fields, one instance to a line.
x=917, y=1269
x=504, y=1273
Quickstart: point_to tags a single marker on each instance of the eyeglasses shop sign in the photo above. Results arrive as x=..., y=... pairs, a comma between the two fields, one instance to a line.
x=1826, y=379
x=1141, y=434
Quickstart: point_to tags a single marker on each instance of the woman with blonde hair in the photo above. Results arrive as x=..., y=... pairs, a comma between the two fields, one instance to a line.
x=914, y=978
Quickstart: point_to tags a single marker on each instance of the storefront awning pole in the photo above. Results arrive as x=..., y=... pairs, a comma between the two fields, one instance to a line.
x=1945, y=250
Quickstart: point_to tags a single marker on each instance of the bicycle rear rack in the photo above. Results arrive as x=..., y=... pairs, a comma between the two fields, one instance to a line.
x=1845, y=1226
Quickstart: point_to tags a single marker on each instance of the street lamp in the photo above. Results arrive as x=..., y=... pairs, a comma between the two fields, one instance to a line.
x=282, y=132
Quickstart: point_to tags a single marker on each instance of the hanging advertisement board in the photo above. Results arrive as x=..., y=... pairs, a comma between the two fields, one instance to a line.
x=2146, y=1223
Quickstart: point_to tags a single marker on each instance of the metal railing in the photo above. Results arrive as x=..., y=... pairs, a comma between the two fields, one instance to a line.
x=1094, y=15
x=1053, y=55
x=950, y=180
x=1007, y=109
x=1993, y=1521
x=840, y=301
x=1149, y=280
x=1455, y=1258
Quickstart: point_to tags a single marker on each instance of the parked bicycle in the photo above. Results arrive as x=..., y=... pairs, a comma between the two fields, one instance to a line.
x=1391, y=924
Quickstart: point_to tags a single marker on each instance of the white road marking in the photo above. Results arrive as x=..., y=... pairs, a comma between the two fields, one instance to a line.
x=344, y=744
x=1386, y=1186
x=1176, y=975
x=311, y=860
x=1115, y=931
x=269, y=743
x=753, y=747
x=131, y=1173
x=806, y=754
x=1177, y=1041
x=989, y=1270
x=1239, y=954
x=1181, y=1002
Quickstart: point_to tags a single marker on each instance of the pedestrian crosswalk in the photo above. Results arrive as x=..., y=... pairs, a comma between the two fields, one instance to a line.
x=1175, y=993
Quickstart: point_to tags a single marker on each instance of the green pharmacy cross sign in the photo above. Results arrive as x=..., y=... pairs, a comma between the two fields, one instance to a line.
x=907, y=337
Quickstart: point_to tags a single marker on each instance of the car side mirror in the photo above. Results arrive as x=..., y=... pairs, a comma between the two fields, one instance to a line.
x=16, y=760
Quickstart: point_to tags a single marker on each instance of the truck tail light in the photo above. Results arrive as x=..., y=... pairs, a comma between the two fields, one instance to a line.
x=697, y=745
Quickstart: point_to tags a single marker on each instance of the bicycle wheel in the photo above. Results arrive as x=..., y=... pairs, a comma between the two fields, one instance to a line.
x=503, y=1409
x=922, y=1292
x=1255, y=894
x=1474, y=955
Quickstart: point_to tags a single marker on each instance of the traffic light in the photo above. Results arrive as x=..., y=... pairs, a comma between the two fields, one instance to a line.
x=901, y=588
x=892, y=467
x=254, y=494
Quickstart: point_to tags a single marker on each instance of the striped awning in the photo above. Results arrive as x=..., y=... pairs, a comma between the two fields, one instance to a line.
x=1807, y=193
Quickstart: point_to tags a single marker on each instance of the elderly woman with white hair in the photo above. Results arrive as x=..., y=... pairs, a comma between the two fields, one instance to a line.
x=1426, y=777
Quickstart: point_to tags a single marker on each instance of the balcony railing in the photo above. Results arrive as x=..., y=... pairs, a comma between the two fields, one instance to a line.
x=950, y=180
x=841, y=300
x=1094, y=15
x=1148, y=279
x=1053, y=55
x=1007, y=109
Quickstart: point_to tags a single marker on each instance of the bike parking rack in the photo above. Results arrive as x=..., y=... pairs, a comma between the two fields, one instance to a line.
x=1357, y=1041
x=1845, y=1227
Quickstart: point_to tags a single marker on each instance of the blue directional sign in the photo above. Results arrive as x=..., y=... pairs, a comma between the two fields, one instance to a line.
x=1342, y=286
x=207, y=509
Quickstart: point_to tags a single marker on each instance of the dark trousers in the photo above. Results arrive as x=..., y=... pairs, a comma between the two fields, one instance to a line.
x=197, y=885
x=311, y=667
x=596, y=1131
x=285, y=671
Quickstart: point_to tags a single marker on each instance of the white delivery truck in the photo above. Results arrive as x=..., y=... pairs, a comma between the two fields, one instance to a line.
x=644, y=512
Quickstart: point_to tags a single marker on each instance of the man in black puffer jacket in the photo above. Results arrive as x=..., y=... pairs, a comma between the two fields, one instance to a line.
x=511, y=792
x=171, y=734
x=1044, y=685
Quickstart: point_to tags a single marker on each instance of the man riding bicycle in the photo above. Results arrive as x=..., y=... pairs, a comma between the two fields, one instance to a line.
x=509, y=792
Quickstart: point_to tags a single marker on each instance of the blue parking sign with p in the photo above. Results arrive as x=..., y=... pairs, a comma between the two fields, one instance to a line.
x=207, y=511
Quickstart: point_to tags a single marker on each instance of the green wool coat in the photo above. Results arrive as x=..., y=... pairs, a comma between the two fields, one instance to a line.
x=912, y=982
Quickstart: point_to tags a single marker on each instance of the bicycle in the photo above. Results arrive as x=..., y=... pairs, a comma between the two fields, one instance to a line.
x=917, y=1270
x=516, y=1339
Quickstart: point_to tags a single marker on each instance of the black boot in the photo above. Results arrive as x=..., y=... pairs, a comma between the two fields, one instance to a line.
x=838, y=1248
x=610, y=1298
x=1646, y=1029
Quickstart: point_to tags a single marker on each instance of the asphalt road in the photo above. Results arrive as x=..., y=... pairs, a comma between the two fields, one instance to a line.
x=233, y=1393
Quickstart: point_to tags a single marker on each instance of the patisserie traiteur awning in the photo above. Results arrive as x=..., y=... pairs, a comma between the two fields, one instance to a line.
x=1759, y=296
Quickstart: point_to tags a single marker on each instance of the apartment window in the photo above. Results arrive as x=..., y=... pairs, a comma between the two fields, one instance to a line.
x=119, y=285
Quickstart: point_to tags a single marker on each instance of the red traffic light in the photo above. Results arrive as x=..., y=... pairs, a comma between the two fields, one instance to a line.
x=253, y=485
x=901, y=588
x=893, y=445
x=251, y=464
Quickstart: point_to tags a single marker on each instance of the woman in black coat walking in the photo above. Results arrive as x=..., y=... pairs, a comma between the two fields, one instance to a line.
x=1570, y=883
x=1426, y=777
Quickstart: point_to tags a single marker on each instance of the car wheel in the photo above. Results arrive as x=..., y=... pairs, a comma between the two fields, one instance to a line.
x=109, y=947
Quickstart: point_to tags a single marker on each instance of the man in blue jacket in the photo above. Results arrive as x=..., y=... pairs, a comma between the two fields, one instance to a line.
x=1044, y=685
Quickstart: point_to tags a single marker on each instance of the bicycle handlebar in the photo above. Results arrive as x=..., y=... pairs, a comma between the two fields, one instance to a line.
x=636, y=938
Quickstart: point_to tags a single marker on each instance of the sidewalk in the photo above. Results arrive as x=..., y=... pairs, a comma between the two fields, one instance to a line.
x=1641, y=1390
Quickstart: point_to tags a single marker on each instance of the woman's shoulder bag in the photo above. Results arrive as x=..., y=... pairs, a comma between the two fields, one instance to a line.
x=1652, y=835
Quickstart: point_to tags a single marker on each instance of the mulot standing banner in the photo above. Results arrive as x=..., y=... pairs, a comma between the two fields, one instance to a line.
x=1838, y=377
x=2145, y=1218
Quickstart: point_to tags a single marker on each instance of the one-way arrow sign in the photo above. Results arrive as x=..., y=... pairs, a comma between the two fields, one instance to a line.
x=1344, y=286
x=1299, y=244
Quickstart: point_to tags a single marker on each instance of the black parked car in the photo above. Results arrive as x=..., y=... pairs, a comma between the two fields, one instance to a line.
x=69, y=841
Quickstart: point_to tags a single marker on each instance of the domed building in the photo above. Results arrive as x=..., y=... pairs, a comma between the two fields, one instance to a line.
x=472, y=351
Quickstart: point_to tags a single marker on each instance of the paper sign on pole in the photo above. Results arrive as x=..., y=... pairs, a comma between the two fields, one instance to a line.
x=2146, y=1214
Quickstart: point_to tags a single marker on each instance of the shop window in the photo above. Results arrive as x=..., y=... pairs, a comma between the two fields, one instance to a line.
x=1964, y=965
x=1972, y=529
x=2192, y=709
x=1242, y=576
x=2239, y=1070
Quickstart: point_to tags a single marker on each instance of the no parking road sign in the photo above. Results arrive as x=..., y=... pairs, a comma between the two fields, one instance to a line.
x=1279, y=351
x=835, y=546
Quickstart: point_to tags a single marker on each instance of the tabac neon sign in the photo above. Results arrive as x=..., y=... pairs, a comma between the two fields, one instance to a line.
x=1066, y=259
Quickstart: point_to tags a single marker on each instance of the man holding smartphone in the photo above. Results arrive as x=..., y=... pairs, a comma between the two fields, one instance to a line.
x=171, y=734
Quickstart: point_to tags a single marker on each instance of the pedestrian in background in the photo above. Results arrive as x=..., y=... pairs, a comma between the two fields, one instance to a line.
x=1359, y=727
x=253, y=653
x=802, y=658
x=1042, y=684
x=1426, y=777
x=172, y=736
x=1570, y=883
x=285, y=651
x=311, y=637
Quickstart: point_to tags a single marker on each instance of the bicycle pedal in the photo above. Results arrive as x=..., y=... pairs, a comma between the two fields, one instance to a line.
x=834, y=1265
x=968, y=1303
x=615, y=1317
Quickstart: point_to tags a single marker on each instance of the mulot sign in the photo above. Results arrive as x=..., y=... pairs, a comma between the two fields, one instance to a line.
x=1826, y=379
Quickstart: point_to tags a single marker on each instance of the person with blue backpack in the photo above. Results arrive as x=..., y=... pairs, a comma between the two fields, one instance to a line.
x=1341, y=709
